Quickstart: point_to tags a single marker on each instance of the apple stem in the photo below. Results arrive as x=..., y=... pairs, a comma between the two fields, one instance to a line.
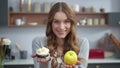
x=71, y=54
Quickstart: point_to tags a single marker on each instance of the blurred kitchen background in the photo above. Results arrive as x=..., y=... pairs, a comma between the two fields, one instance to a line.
x=98, y=36
x=24, y=35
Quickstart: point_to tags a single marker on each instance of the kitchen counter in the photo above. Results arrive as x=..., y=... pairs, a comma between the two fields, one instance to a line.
x=96, y=61
x=20, y=62
x=30, y=61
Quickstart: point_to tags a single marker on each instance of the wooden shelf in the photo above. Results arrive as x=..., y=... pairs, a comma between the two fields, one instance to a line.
x=47, y=13
x=29, y=17
x=41, y=18
x=28, y=13
x=90, y=13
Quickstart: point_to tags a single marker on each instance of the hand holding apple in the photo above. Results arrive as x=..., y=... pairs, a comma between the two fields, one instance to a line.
x=70, y=58
x=72, y=66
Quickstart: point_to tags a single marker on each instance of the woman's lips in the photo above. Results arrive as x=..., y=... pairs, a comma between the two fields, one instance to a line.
x=61, y=33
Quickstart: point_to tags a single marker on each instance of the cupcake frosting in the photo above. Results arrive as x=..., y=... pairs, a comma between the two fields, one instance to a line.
x=42, y=51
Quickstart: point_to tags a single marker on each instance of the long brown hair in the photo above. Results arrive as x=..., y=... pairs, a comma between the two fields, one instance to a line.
x=70, y=39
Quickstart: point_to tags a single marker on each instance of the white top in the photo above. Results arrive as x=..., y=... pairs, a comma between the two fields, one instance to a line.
x=83, y=43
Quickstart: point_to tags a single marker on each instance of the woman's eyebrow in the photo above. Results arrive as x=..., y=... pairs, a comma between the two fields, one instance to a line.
x=55, y=19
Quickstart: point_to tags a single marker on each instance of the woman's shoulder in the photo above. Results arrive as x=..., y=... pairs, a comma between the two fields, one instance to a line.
x=82, y=41
x=41, y=39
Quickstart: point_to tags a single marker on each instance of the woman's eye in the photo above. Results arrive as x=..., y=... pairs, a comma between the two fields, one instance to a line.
x=56, y=22
x=67, y=22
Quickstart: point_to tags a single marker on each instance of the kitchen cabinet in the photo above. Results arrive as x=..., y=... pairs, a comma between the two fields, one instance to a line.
x=3, y=12
x=104, y=65
x=19, y=66
x=19, y=63
x=98, y=65
x=40, y=19
x=114, y=19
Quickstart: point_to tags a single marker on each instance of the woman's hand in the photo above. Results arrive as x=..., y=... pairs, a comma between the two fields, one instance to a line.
x=42, y=60
x=33, y=55
x=72, y=66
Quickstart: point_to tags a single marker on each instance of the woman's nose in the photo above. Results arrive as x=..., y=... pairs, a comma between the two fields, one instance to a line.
x=62, y=25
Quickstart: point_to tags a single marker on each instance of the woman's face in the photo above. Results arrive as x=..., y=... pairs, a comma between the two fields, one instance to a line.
x=61, y=25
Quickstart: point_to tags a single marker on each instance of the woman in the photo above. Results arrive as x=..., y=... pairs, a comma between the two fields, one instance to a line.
x=60, y=38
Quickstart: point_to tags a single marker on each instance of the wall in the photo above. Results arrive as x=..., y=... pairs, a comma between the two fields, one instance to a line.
x=115, y=5
x=25, y=35
x=109, y=5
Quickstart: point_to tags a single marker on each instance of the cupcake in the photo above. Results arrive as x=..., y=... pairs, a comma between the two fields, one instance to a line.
x=42, y=52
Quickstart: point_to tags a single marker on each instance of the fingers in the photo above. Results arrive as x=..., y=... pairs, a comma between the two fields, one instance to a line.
x=72, y=66
x=43, y=60
x=33, y=55
x=69, y=66
x=78, y=63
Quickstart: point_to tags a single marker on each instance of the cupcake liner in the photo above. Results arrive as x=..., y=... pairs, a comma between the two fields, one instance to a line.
x=41, y=56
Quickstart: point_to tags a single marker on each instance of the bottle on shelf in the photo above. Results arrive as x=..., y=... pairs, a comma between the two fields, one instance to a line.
x=28, y=5
x=47, y=7
x=37, y=7
x=21, y=5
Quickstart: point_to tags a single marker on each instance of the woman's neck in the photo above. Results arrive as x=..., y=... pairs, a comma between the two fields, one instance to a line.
x=60, y=42
x=60, y=47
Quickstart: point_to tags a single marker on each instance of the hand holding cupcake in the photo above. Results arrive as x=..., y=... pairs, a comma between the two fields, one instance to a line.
x=42, y=54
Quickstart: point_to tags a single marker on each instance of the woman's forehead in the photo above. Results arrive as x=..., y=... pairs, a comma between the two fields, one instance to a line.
x=60, y=16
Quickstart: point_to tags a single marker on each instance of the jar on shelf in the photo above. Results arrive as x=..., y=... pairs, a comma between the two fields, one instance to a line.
x=83, y=21
x=84, y=9
x=11, y=9
x=102, y=10
x=102, y=21
x=76, y=7
x=96, y=21
x=92, y=9
x=20, y=21
x=89, y=21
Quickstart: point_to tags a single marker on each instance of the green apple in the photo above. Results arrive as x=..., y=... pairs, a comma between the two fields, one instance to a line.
x=70, y=57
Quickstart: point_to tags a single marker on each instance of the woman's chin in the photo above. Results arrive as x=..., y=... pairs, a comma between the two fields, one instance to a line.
x=61, y=37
